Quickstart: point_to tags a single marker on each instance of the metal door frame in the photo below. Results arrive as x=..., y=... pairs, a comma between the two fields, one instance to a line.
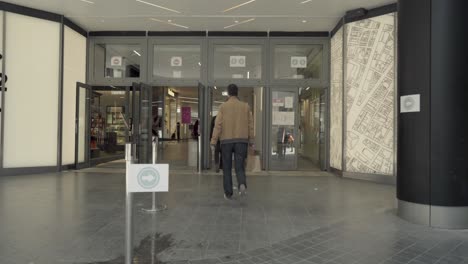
x=269, y=122
x=87, y=148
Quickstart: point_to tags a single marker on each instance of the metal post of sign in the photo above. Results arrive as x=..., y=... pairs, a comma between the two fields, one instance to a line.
x=155, y=208
x=128, y=207
x=199, y=155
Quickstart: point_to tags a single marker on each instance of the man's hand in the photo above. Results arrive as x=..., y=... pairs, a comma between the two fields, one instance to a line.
x=212, y=147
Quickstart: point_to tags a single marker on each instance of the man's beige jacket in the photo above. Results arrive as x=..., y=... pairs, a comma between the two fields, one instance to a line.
x=234, y=123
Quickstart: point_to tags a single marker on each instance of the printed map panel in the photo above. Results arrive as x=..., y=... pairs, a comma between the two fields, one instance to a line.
x=336, y=101
x=369, y=87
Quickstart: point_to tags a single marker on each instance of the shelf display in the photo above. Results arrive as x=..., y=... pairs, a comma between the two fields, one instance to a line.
x=115, y=124
x=108, y=124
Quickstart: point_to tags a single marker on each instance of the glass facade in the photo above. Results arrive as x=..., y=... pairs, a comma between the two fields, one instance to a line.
x=298, y=61
x=117, y=60
x=283, y=130
x=177, y=61
x=175, y=64
x=237, y=62
x=108, y=128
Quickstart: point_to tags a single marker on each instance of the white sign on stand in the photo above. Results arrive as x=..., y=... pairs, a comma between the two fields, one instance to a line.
x=148, y=178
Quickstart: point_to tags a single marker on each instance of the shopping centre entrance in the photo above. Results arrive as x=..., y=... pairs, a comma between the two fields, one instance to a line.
x=289, y=124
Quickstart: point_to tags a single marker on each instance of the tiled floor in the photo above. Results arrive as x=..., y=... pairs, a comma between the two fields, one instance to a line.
x=77, y=217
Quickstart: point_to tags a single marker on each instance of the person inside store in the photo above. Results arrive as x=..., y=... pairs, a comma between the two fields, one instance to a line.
x=195, y=129
x=234, y=129
x=178, y=131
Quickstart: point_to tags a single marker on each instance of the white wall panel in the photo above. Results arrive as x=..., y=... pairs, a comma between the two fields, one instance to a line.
x=74, y=70
x=369, y=88
x=336, y=101
x=31, y=103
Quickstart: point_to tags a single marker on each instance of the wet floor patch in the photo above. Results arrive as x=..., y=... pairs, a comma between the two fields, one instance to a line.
x=147, y=252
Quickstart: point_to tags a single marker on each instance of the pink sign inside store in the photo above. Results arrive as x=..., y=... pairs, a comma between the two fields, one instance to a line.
x=186, y=115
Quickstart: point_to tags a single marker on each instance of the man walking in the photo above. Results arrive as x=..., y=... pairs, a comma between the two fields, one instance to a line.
x=234, y=128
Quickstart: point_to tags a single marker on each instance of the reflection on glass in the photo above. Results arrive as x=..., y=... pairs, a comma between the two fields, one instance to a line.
x=298, y=61
x=108, y=125
x=117, y=60
x=310, y=124
x=177, y=61
x=238, y=62
x=283, y=148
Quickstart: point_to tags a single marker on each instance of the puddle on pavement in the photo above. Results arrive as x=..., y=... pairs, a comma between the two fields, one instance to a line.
x=144, y=252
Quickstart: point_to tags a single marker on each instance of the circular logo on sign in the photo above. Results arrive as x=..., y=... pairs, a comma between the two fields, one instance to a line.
x=241, y=61
x=176, y=62
x=116, y=61
x=233, y=61
x=294, y=62
x=302, y=62
x=148, y=178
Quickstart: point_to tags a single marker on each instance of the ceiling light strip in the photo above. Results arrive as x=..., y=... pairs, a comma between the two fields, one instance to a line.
x=237, y=6
x=169, y=23
x=86, y=1
x=306, y=1
x=158, y=6
x=240, y=23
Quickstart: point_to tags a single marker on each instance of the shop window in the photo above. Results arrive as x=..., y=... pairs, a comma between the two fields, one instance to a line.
x=237, y=62
x=177, y=61
x=117, y=60
x=298, y=61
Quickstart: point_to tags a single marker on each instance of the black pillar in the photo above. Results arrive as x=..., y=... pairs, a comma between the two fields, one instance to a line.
x=432, y=181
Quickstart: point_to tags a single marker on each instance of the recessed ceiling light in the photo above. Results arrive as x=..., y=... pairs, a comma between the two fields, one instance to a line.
x=169, y=23
x=216, y=88
x=199, y=64
x=240, y=23
x=137, y=53
x=87, y=1
x=307, y=89
x=236, y=21
x=304, y=21
x=158, y=6
x=306, y=1
x=237, y=6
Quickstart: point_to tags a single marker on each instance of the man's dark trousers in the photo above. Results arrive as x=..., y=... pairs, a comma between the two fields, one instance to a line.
x=240, y=154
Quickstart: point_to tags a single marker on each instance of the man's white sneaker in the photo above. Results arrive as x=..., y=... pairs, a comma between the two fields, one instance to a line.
x=242, y=190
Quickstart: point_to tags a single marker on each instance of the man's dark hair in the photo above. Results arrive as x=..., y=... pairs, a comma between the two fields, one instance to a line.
x=233, y=90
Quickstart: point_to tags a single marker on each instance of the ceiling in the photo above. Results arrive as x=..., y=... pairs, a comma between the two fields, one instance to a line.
x=202, y=15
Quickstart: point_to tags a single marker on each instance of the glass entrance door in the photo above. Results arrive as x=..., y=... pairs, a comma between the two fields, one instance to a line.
x=142, y=121
x=323, y=131
x=283, y=128
x=82, y=144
